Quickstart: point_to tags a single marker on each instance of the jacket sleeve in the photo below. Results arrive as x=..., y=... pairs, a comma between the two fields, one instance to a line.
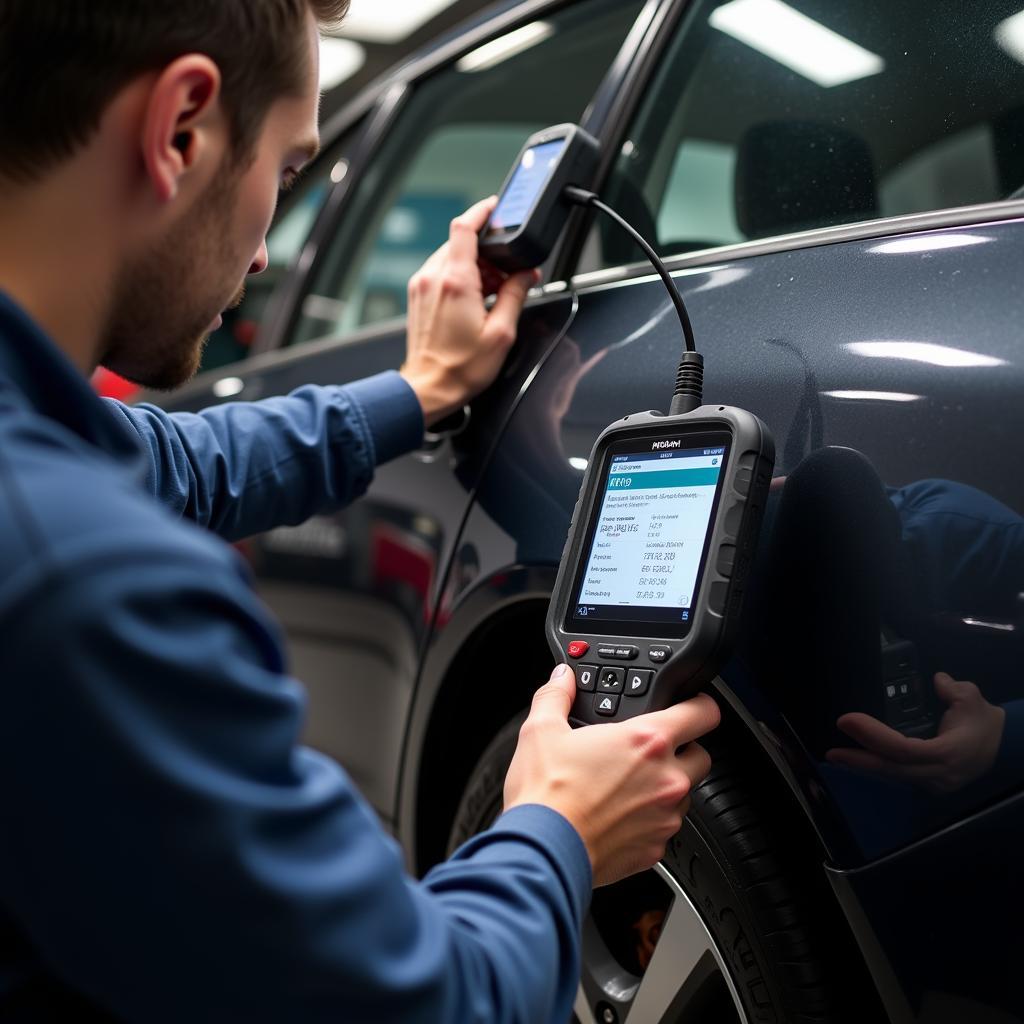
x=173, y=854
x=246, y=467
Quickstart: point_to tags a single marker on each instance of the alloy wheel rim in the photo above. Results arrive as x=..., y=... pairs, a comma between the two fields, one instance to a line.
x=686, y=959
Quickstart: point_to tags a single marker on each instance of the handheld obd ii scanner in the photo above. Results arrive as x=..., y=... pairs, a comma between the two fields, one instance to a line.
x=650, y=586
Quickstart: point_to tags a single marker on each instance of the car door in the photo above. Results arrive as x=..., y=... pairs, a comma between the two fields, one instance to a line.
x=356, y=590
x=837, y=192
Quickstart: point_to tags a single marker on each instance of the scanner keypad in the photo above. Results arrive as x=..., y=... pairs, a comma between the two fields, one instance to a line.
x=612, y=684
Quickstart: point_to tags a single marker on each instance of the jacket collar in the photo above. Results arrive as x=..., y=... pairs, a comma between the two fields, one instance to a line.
x=33, y=367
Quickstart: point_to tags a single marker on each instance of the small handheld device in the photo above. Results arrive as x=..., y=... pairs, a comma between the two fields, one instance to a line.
x=908, y=702
x=651, y=582
x=532, y=209
x=650, y=587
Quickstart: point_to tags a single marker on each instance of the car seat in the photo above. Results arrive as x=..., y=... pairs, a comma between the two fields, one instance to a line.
x=798, y=175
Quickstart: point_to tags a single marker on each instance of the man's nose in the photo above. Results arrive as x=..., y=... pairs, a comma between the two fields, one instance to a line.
x=261, y=261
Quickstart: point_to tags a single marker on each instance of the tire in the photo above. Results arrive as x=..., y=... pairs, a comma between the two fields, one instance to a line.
x=746, y=907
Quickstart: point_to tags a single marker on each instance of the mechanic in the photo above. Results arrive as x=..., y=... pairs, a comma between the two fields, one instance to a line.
x=169, y=851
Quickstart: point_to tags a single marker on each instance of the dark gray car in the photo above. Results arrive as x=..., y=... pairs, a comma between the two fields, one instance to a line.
x=835, y=188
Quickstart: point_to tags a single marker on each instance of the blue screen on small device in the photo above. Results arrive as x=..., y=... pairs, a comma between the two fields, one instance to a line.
x=527, y=183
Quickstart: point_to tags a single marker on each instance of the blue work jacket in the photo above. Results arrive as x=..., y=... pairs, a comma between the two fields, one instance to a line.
x=168, y=850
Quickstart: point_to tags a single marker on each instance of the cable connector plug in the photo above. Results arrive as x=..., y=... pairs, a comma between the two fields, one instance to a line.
x=689, y=392
x=579, y=196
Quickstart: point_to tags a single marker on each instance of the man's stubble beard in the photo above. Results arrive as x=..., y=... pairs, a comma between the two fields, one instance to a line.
x=163, y=306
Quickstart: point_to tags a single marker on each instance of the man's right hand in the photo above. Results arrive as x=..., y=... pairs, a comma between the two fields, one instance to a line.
x=625, y=786
x=455, y=345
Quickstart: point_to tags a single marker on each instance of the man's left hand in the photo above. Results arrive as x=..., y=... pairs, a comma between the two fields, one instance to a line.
x=455, y=346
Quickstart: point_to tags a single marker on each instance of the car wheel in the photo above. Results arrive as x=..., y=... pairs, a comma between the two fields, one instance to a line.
x=722, y=931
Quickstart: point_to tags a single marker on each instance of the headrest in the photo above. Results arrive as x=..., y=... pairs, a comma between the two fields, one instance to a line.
x=797, y=175
x=1008, y=134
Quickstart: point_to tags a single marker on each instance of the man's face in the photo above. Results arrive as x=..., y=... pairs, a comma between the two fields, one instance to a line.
x=168, y=300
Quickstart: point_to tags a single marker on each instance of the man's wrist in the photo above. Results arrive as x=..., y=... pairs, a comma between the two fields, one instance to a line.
x=435, y=401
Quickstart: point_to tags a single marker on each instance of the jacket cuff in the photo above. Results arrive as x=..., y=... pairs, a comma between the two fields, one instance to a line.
x=548, y=829
x=392, y=411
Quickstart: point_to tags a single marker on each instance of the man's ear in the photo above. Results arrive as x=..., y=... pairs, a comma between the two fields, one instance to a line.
x=183, y=123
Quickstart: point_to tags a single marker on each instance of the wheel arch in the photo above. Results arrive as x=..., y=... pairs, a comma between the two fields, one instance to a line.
x=482, y=669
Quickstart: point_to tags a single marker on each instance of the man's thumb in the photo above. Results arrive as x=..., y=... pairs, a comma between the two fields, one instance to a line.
x=947, y=688
x=511, y=297
x=555, y=697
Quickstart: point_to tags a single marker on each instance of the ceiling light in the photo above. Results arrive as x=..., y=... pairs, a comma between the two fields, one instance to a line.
x=873, y=396
x=377, y=21
x=928, y=243
x=1009, y=35
x=510, y=45
x=922, y=352
x=340, y=59
x=802, y=44
x=229, y=387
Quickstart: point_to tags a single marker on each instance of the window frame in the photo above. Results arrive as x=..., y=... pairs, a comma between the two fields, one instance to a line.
x=385, y=102
x=669, y=24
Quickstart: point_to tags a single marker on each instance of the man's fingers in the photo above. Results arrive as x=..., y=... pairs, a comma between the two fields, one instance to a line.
x=503, y=318
x=688, y=721
x=696, y=762
x=866, y=763
x=463, y=243
x=887, y=743
x=949, y=691
x=860, y=760
x=492, y=279
x=434, y=263
x=554, y=699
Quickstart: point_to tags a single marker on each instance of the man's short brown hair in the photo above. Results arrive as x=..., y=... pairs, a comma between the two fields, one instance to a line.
x=63, y=61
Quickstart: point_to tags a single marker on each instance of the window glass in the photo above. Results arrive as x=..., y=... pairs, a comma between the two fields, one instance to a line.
x=452, y=145
x=769, y=117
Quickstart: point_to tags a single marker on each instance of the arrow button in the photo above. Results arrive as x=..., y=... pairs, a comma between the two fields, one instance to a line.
x=611, y=680
x=606, y=706
x=638, y=682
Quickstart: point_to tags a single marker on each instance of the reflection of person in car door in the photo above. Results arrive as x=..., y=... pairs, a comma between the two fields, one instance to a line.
x=848, y=560
x=170, y=852
x=965, y=559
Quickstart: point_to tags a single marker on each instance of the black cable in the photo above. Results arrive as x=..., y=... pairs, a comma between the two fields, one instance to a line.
x=582, y=197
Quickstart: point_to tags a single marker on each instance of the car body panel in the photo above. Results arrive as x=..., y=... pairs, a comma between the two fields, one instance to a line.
x=871, y=344
x=941, y=944
x=782, y=335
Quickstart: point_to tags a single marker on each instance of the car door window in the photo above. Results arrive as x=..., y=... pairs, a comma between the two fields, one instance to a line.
x=453, y=145
x=768, y=118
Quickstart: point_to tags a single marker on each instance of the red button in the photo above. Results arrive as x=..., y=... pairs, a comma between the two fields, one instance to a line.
x=578, y=648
